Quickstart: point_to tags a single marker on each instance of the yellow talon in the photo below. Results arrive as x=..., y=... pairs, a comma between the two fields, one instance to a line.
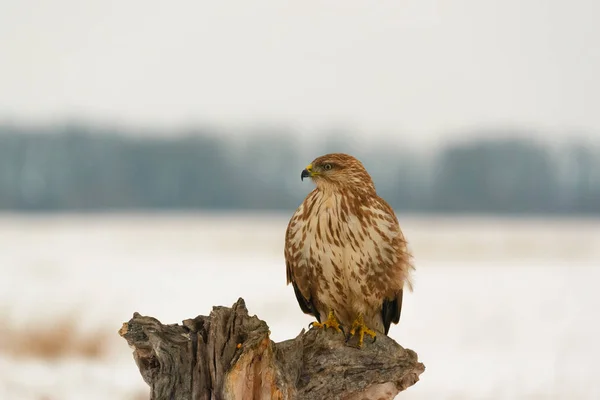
x=331, y=322
x=363, y=330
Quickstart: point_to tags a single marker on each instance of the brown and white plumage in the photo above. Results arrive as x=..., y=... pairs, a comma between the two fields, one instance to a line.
x=344, y=250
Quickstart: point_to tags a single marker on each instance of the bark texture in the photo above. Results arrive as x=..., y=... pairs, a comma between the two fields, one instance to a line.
x=228, y=355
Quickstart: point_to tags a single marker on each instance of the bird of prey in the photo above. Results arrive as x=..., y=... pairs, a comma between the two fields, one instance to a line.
x=346, y=256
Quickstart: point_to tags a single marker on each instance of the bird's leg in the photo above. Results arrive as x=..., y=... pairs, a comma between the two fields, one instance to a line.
x=358, y=326
x=331, y=322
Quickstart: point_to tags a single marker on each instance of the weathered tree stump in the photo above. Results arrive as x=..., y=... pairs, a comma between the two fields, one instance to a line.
x=228, y=355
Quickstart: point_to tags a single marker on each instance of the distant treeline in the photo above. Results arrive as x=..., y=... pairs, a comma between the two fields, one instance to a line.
x=83, y=168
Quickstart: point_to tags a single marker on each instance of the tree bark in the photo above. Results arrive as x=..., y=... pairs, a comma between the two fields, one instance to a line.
x=228, y=355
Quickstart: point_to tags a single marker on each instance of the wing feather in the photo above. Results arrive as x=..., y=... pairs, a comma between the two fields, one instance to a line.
x=300, y=284
x=390, y=311
x=306, y=304
x=392, y=307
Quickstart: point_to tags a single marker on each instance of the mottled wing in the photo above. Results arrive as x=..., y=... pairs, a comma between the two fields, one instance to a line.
x=400, y=265
x=296, y=273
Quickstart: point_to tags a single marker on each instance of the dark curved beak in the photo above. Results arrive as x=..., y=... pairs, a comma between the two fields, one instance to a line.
x=304, y=174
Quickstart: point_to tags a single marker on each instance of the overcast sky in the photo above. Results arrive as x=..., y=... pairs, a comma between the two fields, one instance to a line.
x=408, y=67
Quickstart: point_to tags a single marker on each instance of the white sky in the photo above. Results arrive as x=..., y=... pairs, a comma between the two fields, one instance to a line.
x=411, y=67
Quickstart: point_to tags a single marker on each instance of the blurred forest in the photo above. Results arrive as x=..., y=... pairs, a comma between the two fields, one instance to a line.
x=81, y=167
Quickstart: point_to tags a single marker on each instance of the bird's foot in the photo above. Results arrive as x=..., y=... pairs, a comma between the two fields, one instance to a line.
x=359, y=327
x=331, y=322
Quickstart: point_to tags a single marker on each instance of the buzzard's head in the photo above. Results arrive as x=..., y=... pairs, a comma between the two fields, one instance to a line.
x=338, y=171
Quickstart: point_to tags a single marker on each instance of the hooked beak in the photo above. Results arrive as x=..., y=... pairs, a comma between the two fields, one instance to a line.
x=304, y=174
x=307, y=172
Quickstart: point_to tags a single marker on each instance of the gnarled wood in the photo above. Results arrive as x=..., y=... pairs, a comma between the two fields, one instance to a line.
x=228, y=355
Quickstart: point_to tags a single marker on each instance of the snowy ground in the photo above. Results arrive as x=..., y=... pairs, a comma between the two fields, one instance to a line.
x=502, y=309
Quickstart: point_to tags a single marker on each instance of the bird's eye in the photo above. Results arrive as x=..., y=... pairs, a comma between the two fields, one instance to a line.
x=327, y=167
